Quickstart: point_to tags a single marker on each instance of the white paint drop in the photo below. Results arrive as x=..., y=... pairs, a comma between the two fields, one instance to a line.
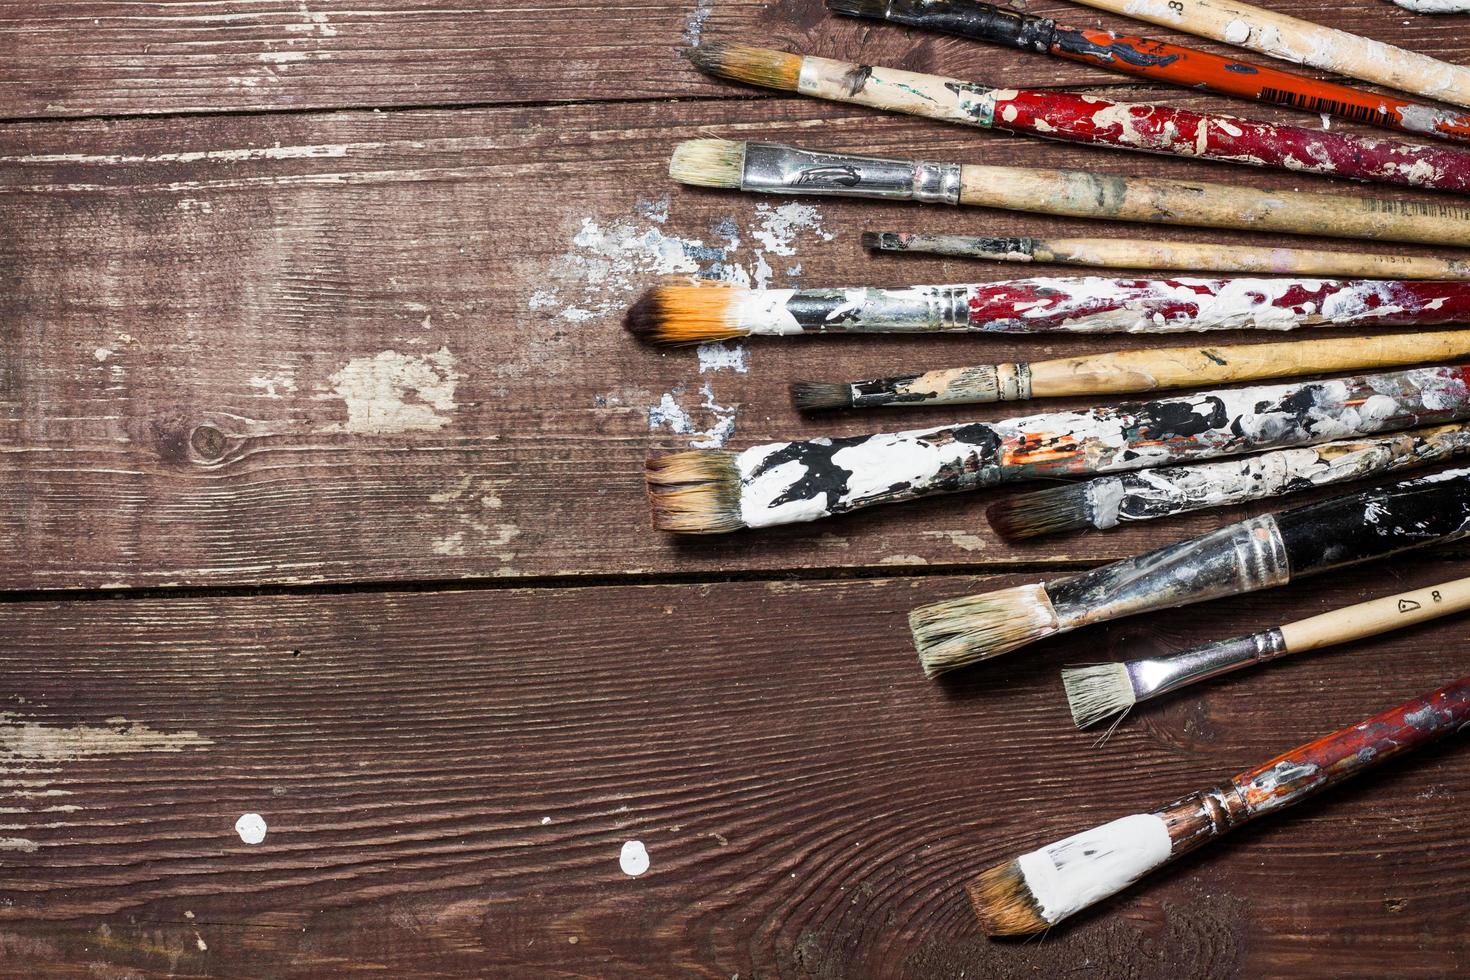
x=392, y=392
x=101, y=354
x=545, y=821
x=634, y=858
x=1237, y=32
x=251, y=828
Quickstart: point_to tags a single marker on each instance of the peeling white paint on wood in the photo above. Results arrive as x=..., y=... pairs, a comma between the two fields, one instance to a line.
x=391, y=393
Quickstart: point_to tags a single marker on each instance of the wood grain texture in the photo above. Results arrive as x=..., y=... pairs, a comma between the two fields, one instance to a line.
x=127, y=57
x=368, y=346
x=448, y=780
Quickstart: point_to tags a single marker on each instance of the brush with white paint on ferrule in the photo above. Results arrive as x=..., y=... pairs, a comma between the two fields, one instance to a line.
x=1076, y=118
x=1100, y=691
x=1167, y=491
x=1193, y=257
x=712, y=491
x=1041, y=888
x=1258, y=553
x=1131, y=371
x=774, y=168
x=698, y=312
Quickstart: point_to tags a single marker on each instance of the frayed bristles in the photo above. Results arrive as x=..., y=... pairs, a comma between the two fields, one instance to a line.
x=959, y=632
x=1049, y=511
x=708, y=163
x=1003, y=902
x=694, y=492
x=765, y=67
x=1097, y=692
x=685, y=314
x=821, y=396
x=868, y=8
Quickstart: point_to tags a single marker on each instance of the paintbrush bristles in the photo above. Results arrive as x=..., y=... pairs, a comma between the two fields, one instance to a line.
x=1049, y=511
x=1098, y=691
x=958, y=632
x=694, y=492
x=765, y=67
x=819, y=396
x=684, y=314
x=868, y=8
x=708, y=163
x=1003, y=902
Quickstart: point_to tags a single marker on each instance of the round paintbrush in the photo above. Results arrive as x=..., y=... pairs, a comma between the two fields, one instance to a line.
x=1194, y=257
x=1040, y=889
x=1100, y=691
x=773, y=168
x=1076, y=118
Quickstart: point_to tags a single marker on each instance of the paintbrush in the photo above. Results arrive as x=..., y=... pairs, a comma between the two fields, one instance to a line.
x=774, y=168
x=1303, y=43
x=710, y=491
x=1193, y=257
x=1130, y=371
x=1161, y=61
x=1075, y=118
x=1169, y=490
x=1100, y=691
x=1254, y=554
x=697, y=312
x=1040, y=889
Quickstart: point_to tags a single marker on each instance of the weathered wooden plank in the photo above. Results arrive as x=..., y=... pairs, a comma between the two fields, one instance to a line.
x=448, y=780
x=388, y=346
x=86, y=57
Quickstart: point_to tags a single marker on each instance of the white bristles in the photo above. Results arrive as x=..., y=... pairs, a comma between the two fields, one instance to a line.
x=959, y=632
x=708, y=163
x=1098, y=691
x=1086, y=868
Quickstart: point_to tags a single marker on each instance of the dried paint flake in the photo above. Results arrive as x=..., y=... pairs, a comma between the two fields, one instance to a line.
x=251, y=828
x=392, y=392
x=671, y=415
x=633, y=858
x=722, y=356
x=25, y=740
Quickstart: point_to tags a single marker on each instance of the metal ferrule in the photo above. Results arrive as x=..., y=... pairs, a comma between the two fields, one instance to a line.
x=1233, y=560
x=1159, y=675
x=775, y=168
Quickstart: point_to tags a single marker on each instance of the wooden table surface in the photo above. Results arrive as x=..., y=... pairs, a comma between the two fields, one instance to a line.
x=321, y=499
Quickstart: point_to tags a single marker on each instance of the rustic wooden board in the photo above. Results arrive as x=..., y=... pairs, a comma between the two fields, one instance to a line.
x=448, y=780
x=126, y=57
x=366, y=346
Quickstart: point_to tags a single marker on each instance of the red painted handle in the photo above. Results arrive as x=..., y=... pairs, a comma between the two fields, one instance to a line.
x=1310, y=768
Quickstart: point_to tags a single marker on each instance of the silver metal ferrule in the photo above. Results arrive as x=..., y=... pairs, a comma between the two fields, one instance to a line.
x=775, y=168
x=1160, y=675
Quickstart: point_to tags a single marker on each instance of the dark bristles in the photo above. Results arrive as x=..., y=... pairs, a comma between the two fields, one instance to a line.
x=872, y=240
x=644, y=316
x=765, y=67
x=866, y=8
x=1049, y=511
x=694, y=492
x=1003, y=902
x=821, y=396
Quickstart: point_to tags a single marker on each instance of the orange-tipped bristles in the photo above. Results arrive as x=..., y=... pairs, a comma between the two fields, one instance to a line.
x=694, y=492
x=687, y=314
x=958, y=632
x=744, y=63
x=1003, y=903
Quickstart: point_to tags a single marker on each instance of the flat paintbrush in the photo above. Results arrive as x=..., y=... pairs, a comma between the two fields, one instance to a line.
x=1076, y=118
x=1192, y=257
x=1259, y=553
x=1040, y=889
x=773, y=168
x=1131, y=371
x=1163, y=61
x=695, y=312
x=1166, y=491
x=708, y=491
x=1100, y=691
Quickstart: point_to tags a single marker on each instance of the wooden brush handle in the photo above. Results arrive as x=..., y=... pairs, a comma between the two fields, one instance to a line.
x=1311, y=768
x=1179, y=367
x=1197, y=257
x=1377, y=616
x=1085, y=194
x=1304, y=43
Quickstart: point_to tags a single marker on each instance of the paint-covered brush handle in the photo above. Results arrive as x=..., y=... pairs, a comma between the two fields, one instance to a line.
x=1377, y=616
x=1308, y=769
x=1143, y=127
x=1195, y=257
x=1304, y=43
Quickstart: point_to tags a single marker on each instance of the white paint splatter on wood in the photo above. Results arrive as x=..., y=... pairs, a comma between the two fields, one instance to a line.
x=634, y=858
x=393, y=393
x=24, y=740
x=671, y=415
x=251, y=828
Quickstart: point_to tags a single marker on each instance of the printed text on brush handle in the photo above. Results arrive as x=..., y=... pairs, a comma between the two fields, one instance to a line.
x=1377, y=616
